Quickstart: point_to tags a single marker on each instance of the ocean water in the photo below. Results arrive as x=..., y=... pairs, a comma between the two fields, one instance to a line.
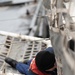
x=14, y=19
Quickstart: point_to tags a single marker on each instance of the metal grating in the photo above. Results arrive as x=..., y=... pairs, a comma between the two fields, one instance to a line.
x=20, y=48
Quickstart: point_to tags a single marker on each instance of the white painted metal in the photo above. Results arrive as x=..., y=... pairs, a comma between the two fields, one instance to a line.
x=60, y=34
x=20, y=48
x=35, y=16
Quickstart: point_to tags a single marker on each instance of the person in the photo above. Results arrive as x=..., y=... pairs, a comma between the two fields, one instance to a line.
x=43, y=64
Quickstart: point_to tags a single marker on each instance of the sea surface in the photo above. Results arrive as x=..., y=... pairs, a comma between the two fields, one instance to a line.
x=14, y=18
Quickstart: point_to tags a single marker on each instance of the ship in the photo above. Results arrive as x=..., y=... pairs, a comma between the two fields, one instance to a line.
x=60, y=18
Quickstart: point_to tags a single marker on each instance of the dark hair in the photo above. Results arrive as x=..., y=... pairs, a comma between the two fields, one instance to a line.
x=44, y=60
